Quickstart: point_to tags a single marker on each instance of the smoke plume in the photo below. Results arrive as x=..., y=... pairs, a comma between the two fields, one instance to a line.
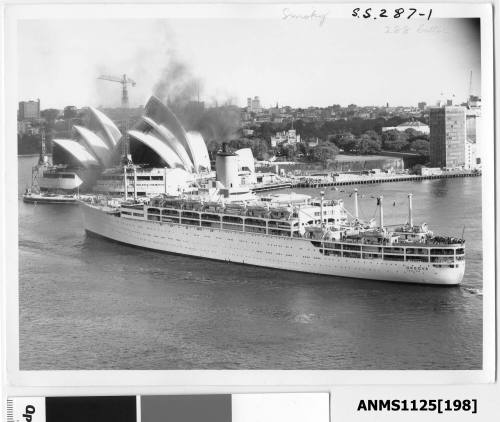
x=176, y=84
x=181, y=90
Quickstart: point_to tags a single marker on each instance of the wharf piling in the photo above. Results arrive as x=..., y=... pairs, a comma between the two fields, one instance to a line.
x=362, y=180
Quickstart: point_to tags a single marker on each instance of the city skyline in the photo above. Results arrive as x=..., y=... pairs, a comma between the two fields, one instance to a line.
x=59, y=63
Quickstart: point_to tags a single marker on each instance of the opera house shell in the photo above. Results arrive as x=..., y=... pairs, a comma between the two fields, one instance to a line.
x=157, y=139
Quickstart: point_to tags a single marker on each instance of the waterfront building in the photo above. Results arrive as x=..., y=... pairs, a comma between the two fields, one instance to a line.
x=448, y=137
x=29, y=110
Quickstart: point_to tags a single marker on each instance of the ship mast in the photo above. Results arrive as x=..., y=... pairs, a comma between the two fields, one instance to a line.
x=125, y=189
x=410, y=209
x=135, y=182
x=356, y=212
x=380, y=203
x=165, y=179
x=321, y=203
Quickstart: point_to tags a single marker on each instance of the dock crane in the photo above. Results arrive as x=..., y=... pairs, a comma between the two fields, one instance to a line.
x=125, y=81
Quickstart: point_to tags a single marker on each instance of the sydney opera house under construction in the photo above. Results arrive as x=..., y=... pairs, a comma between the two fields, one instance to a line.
x=159, y=146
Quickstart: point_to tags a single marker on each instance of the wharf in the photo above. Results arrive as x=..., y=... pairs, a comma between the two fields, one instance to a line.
x=308, y=182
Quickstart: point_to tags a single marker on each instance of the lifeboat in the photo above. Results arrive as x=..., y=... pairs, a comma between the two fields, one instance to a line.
x=234, y=209
x=280, y=213
x=315, y=232
x=193, y=205
x=257, y=211
x=214, y=206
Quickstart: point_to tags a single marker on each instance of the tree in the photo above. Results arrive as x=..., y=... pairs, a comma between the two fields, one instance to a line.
x=415, y=134
x=346, y=141
x=394, y=140
x=421, y=147
x=371, y=134
x=368, y=146
x=290, y=152
x=370, y=142
x=323, y=153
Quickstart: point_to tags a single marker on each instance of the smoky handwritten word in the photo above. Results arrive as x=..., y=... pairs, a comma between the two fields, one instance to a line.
x=313, y=16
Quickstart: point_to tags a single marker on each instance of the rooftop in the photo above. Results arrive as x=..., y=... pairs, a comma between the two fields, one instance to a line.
x=415, y=123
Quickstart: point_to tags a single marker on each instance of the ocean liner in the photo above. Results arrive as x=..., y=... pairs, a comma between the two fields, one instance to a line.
x=286, y=231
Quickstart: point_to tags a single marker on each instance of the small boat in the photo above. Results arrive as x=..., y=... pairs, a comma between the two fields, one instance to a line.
x=49, y=198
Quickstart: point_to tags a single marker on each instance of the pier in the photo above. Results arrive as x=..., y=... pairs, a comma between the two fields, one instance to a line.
x=357, y=179
x=377, y=178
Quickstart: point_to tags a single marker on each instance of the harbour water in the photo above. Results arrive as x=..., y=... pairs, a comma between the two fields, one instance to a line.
x=87, y=303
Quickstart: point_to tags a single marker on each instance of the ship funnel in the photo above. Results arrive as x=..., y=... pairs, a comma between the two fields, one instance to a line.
x=356, y=212
x=410, y=209
x=380, y=203
x=226, y=168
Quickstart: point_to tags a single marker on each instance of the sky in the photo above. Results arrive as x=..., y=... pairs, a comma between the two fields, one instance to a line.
x=299, y=63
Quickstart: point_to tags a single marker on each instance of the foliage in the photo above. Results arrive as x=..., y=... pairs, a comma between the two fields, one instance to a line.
x=394, y=140
x=346, y=141
x=258, y=146
x=420, y=146
x=368, y=146
x=323, y=153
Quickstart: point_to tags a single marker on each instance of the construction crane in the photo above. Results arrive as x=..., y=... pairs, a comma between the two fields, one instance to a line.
x=470, y=84
x=125, y=81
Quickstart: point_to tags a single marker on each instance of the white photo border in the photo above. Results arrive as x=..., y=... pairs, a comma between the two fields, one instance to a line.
x=234, y=380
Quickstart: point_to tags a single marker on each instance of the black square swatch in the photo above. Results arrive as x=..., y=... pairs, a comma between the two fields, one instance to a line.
x=91, y=409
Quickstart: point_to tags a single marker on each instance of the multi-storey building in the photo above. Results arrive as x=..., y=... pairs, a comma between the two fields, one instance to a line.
x=473, y=132
x=448, y=137
x=29, y=110
x=253, y=105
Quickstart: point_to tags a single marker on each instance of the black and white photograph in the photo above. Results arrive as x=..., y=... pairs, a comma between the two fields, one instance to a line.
x=224, y=189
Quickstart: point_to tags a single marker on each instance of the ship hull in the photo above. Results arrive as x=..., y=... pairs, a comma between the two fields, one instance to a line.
x=56, y=199
x=292, y=254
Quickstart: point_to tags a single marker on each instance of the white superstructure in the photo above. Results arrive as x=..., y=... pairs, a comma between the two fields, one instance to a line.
x=142, y=182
